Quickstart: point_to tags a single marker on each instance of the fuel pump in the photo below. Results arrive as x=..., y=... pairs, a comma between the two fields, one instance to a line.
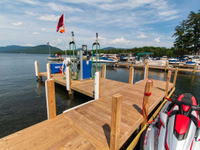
x=73, y=60
x=97, y=59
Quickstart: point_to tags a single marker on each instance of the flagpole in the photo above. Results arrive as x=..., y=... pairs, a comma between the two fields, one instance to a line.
x=64, y=35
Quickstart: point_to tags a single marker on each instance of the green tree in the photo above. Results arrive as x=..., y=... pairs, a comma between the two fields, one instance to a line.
x=188, y=34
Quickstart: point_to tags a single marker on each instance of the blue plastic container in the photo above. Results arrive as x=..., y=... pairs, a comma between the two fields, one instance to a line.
x=87, y=69
x=55, y=68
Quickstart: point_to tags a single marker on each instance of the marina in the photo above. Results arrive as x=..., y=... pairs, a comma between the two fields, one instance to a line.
x=81, y=127
x=99, y=75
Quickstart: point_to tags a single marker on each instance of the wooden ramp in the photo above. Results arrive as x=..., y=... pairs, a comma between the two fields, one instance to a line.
x=88, y=126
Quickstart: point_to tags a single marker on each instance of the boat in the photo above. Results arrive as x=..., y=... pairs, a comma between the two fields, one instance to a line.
x=176, y=127
x=126, y=56
x=105, y=60
x=55, y=57
x=173, y=61
x=158, y=63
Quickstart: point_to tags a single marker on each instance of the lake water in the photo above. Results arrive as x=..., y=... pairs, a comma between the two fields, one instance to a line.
x=23, y=101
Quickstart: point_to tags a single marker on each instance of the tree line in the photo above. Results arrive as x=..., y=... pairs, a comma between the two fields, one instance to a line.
x=187, y=35
x=157, y=51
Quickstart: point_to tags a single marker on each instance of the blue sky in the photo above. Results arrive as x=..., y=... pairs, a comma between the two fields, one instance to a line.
x=121, y=24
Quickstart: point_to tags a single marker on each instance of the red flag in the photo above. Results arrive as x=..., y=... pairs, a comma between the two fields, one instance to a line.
x=60, y=22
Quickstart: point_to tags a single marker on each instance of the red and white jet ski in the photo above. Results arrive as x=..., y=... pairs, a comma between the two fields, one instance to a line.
x=176, y=127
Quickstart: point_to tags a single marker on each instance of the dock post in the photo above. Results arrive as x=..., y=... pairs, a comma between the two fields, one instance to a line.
x=37, y=70
x=166, y=66
x=48, y=71
x=145, y=105
x=175, y=77
x=144, y=64
x=96, y=86
x=195, y=66
x=175, y=63
x=70, y=82
x=103, y=71
x=67, y=79
x=146, y=71
x=127, y=63
x=99, y=84
x=131, y=75
x=50, y=98
x=167, y=83
x=115, y=121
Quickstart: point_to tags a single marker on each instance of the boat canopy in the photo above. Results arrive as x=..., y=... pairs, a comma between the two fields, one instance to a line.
x=145, y=53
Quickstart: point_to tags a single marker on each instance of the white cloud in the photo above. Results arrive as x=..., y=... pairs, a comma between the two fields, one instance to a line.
x=43, y=29
x=168, y=13
x=30, y=13
x=119, y=40
x=36, y=33
x=30, y=45
x=89, y=1
x=17, y=23
x=32, y=2
x=62, y=8
x=25, y=32
x=99, y=38
x=142, y=36
x=157, y=40
x=49, y=17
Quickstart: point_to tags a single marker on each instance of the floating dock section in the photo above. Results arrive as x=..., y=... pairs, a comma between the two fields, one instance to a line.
x=105, y=123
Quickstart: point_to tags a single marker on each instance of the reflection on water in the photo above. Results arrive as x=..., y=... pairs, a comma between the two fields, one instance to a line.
x=23, y=100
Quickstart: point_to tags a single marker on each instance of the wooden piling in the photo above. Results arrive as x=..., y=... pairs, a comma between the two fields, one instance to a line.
x=146, y=72
x=144, y=64
x=175, y=77
x=37, y=70
x=103, y=71
x=195, y=66
x=70, y=82
x=99, y=84
x=146, y=102
x=50, y=98
x=127, y=63
x=48, y=71
x=115, y=121
x=167, y=83
x=175, y=63
x=96, y=85
x=166, y=65
x=131, y=74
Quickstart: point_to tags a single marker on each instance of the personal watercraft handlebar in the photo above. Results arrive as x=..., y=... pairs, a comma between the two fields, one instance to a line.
x=179, y=103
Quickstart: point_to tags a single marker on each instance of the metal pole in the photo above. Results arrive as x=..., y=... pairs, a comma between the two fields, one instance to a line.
x=65, y=44
x=73, y=61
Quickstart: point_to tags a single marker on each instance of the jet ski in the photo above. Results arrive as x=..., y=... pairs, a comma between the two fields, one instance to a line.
x=176, y=127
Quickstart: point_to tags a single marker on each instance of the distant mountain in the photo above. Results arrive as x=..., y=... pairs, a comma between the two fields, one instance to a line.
x=79, y=49
x=40, y=49
x=107, y=48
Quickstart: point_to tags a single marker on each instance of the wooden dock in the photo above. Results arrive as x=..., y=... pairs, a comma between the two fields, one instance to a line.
x=166, y=67
x=89, y=126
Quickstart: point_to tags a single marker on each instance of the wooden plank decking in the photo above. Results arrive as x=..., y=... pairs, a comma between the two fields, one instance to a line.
x=88, y=126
